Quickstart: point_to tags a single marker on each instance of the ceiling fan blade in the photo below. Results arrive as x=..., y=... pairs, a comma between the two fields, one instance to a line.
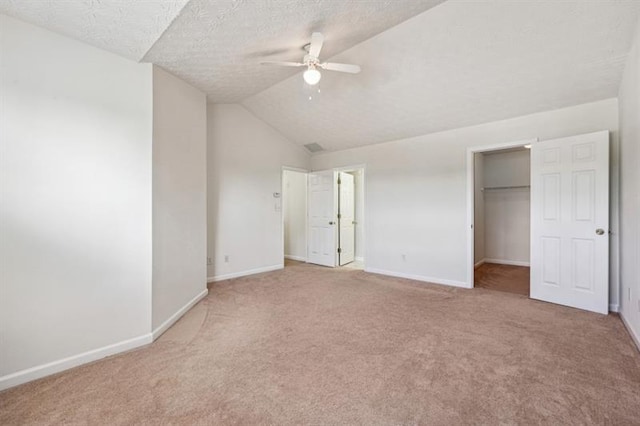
x=316, y=44
x=352, y=69
x=284, y=64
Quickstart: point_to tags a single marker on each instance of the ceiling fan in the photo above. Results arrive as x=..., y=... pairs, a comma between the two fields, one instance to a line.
x=312, y=74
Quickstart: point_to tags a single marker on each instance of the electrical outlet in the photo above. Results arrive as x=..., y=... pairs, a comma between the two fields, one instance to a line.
x=209, y=261
x=226, y=258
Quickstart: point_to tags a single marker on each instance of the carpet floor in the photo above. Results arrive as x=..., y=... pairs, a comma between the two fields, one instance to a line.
x=312, y=345
x=512, y=279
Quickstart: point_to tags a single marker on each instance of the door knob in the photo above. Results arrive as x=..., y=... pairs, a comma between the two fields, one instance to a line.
x=600, y=231
x=331, y=223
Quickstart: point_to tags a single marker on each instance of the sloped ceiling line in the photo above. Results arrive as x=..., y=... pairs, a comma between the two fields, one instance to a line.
x=125, y=27
x=218, y=45
x=166, y=29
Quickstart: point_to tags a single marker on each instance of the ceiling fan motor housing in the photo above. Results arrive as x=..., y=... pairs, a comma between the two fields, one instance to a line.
x=310, y=60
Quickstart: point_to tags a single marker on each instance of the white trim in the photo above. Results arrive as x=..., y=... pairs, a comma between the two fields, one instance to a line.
x=295, y=169
x=298, y=258
x=417, y=277
x=175, y=317
x=614, y=307
x=359, y=259
x=478, y=264
x=507, y=262
x=634, y=335
x=245, y=273
x=49, y=368
x=352, y=168
x=470, y=196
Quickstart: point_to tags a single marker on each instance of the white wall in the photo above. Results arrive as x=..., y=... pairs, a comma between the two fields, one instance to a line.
x=629, y=99
x=416, y=189
x=478, y=213
x=294, y=214
x=75, y=218
x=507, y=211
x=245, y=160
x=179, y=196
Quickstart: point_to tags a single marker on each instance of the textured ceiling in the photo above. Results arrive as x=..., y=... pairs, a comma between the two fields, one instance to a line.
x=126, y=27
x=217, y=46
x=427, y=66
x=458, y=64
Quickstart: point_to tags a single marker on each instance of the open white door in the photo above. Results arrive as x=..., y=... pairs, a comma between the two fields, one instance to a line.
x=346, y=218
x=322, y=208
x=570, y=221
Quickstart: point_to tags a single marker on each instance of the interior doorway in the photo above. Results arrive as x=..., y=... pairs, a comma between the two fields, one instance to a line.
x=351, y=218
x=323, y=217
x=294, y=215
x=500, y=217
x=502, y=204
x=568, y=216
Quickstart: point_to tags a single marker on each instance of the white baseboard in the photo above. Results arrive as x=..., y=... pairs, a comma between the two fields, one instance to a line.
x=175, y=317
x=298, y=258
x=50, y=368
x=359, y=259
x=245, y=273
x=507, y=262
x=40, y=371
x=418, y=277
x=480, y=263
x=635, y=336
x=614, y=307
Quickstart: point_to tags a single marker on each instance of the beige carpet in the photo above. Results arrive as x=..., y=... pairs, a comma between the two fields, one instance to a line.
x=512, y=279
x=308, y=345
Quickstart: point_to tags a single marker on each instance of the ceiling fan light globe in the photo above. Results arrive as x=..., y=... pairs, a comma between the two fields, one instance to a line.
x=312, y=76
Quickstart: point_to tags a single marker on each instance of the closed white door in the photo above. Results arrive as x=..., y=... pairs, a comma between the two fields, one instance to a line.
x=323, y=211
x=346, y=218
x=570, y=221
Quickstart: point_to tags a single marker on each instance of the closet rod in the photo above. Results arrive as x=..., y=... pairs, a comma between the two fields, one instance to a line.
x=506, y=187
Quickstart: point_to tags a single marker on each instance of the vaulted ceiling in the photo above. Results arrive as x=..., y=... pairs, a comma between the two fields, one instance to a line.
x=218, y=45
x=461, y=63
x=426, y=65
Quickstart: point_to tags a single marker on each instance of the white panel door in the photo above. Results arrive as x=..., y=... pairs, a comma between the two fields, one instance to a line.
x=323, y=211
x=570, y=221
x=346, y=218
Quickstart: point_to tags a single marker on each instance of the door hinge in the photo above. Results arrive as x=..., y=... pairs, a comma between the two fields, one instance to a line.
x=339, y=181
x=339, y=216
x=339, y=250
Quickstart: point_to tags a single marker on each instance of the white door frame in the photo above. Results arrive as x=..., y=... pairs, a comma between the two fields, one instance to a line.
x=290, y=169
x=471, y=151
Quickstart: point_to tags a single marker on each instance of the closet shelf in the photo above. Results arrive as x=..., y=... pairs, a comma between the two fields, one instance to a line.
x=490, y=188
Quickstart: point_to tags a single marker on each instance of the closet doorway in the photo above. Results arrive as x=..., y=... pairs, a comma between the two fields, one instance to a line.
x=567, y=226
x=502, y=210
